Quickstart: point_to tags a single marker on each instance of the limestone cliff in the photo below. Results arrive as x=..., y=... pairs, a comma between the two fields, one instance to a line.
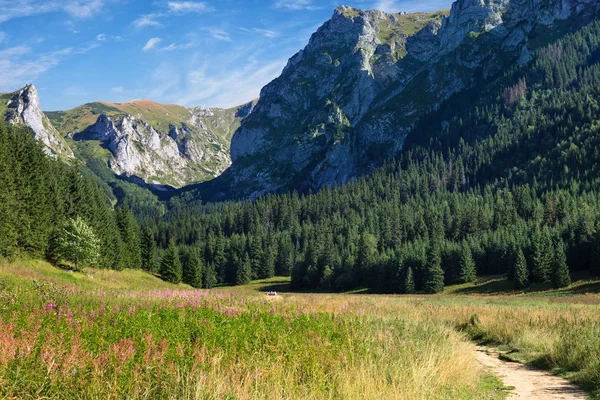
x=23, y=107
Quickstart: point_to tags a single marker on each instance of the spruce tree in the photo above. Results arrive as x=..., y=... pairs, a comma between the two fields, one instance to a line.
x=243, y=270
x=192, y=269
x=521, y=274
x=170, y=266
x=408, y=281
x=468, y=272
x=148, y=250
x=434, y=274
x=560, y=271
x=543, y=253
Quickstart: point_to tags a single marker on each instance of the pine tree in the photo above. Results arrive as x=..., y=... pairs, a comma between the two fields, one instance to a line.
x=192, y=269
x=243, y=270
x=542, y=256
x=170, y=266
x=408, y=282
x=148, y=250
x=468, y=272
x=210, y=277
x=521, y=274
x=434, y=274
x=560, y=271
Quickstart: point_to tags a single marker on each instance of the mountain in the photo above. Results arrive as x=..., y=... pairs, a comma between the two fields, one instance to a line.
x=159, y=144
x=347, y=101
x=23, y=108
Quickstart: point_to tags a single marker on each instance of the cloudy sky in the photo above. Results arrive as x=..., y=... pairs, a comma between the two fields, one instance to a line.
x=212, y=53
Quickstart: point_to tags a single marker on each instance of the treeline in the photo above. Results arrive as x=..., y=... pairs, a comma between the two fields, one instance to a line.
x=504, y=181
x=52, y=210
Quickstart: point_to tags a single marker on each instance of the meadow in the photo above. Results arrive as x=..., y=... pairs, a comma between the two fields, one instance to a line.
x=67, y=335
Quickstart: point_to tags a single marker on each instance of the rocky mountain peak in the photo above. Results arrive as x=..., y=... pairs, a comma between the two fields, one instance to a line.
x=24, y=108
x=346, y=101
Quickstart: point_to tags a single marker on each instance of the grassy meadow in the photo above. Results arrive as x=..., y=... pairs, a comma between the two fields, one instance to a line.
x=129, y=335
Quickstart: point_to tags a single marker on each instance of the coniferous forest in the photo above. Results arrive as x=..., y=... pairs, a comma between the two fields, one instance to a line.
x=502, y=180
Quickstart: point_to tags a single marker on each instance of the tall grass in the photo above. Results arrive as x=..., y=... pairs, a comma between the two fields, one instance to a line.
x=69, y=342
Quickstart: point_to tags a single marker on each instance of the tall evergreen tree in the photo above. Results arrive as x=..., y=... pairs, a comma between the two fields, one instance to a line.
x=243, y=270
x=408, y=281
x=434, y=274
x=468, y=272
x=521, y=273
x=148, y=250
x=193, y=269
x=560, y=271
x=170, y=265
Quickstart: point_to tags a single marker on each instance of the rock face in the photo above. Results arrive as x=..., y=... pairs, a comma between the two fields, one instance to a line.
x=159, y=144
x=346, y=102
x=23, y=108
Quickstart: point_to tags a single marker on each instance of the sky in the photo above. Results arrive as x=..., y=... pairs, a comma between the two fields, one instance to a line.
x=209, y=53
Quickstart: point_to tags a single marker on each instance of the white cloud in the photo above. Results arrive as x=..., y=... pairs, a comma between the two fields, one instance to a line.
x=219, y=34
x=296, y=4
x=243, y=84
x=264, y=32
x=147, y=20
x=101, y=37
x=16, y=70
x=2, y=37
x=119, y=89
x=183, y=7
x=177, y=46
x=152, y=43
x=24, y=8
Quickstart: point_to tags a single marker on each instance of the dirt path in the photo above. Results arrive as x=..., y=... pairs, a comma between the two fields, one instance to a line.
x=529, y=383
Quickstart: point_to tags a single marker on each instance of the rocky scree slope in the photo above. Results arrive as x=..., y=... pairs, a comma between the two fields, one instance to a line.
x=23, y=108
x=347, y=101
x=159, y=144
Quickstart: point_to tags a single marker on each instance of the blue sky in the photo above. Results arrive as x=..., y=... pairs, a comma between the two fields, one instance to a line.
x=211, y=53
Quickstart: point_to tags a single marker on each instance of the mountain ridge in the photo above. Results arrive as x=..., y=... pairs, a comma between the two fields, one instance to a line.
x=346, y=102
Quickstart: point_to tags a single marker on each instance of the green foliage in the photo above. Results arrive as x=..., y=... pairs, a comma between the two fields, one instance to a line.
x=434, y=275
x=521, y=274
x=149, y=256
x=408, y=282
x=170, y=265
x=243, y=270
x=468, y=272
x=560, y=271
x=78, y=243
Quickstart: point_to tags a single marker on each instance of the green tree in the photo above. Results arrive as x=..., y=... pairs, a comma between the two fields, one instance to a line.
x=521, y=274
x=468, y=272
x=192, y=269
x=170, y=266
x=148, y=250
x=560, y=271
x=408, y=281
x=542, y=256
x=78, y=243
x=434, y=274
x=243, y=270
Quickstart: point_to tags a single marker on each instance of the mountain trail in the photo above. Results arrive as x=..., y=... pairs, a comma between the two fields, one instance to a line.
x=528, y=382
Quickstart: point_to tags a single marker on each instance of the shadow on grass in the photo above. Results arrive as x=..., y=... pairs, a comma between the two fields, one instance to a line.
x=582, y=284
x=280, y=285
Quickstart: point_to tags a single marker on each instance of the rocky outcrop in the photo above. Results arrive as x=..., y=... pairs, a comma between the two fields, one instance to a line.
x=175, y=157
x=24, y=108
x=346, y=102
